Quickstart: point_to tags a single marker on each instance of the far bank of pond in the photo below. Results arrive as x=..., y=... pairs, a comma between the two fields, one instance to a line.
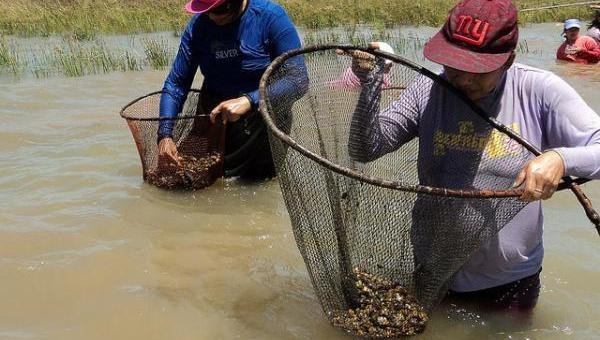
x=70, y=56
x=85, y=19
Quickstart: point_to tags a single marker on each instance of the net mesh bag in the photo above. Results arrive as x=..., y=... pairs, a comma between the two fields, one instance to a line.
x=200, y=143
x=383, y=232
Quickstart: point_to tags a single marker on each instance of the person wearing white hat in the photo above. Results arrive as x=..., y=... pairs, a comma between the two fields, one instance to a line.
x=577, y=48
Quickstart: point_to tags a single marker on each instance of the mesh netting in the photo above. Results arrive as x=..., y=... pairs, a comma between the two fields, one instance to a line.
x=200, y=143
x=411, y=215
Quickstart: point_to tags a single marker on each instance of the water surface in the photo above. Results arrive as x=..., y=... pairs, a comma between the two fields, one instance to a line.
x=89, y=251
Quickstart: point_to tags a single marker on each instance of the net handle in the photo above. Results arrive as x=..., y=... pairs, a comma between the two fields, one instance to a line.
x=567, y=181
x=155, y=119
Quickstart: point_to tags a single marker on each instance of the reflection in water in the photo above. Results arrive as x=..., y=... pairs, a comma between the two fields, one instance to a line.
x=89, y=251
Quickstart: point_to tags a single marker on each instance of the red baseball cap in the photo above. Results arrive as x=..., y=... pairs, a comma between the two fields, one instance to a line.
x=478, y=37
x=201, y=6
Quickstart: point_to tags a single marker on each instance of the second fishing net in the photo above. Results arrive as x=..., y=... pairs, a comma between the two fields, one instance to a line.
x=388, y=197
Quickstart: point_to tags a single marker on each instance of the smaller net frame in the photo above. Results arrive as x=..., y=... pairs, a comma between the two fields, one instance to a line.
x=332, y=249
x=199, y=142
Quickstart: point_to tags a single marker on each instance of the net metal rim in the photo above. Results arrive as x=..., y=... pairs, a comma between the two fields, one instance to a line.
x=265, y=108
x=155, y=119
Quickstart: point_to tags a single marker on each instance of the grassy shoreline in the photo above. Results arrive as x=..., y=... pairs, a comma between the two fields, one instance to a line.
x=71, y=57
x=89, y=18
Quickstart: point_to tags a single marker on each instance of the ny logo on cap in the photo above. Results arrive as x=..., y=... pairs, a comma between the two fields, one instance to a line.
x=471, y=30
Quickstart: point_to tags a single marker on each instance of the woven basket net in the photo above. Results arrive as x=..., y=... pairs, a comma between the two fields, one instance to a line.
x=200, y=143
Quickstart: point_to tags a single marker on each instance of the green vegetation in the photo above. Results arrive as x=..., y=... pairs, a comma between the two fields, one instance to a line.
x=74, y=58
x=76, y=47
x=158, y=53
x=85, y=19
x=9, y=58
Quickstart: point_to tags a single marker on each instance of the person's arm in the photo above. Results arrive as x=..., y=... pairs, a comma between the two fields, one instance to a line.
x=283, y=37
x=571, y=130
x=179, y=81
x=373, y=133
x=590, y=52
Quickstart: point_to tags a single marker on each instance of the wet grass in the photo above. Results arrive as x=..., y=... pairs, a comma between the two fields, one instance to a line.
x=71, y=57
x=10, y=58
x=5, y=55
x=86, y=19
x=75, y=58
x=158, y=53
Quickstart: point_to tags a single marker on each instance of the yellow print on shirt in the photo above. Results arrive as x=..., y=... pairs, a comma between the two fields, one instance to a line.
x=495, y=144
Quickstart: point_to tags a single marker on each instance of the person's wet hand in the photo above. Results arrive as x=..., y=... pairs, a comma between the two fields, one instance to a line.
x=167, y=153
x=540, y=176
x=231, y=110
x=572, y=49
x=362, y=63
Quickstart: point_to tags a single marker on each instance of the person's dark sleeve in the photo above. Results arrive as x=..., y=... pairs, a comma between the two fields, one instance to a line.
x=373, y=133
x=284, y=37
x=179, y=80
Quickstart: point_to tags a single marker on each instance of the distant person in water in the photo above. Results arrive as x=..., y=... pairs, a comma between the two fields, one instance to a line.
x=348, y=80
x=594, y=27
x=580, y=49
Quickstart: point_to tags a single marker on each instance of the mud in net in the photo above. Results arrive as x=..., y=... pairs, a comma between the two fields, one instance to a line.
x=200, y=143
x=383, y=228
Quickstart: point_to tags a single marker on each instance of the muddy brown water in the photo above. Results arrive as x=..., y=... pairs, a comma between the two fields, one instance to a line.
x=88, y=251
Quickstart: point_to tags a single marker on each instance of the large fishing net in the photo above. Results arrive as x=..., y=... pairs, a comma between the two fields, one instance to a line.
x=200, y=143
x=382, y=231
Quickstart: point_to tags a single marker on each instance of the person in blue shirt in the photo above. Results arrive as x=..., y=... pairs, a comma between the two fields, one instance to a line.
x=232, y=42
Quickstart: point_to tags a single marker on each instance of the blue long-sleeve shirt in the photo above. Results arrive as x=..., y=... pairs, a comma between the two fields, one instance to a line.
x=232, y=58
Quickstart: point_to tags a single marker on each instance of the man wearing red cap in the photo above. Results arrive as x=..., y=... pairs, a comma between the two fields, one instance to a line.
x=476, y=48
x=232, y=42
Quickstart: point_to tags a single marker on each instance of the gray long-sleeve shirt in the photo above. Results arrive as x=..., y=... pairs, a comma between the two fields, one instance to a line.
x=537, y=104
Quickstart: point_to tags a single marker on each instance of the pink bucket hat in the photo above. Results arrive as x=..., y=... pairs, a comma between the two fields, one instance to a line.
x=478, y=37
x=201, y=6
